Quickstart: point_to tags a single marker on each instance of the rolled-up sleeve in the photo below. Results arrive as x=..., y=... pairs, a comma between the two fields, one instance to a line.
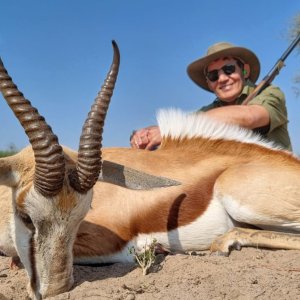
x=273, y=100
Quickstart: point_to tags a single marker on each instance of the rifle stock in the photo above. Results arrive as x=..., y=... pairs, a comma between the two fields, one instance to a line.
x=273, y=73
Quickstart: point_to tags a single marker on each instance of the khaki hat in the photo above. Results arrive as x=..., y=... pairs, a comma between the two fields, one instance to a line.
x=197, y=69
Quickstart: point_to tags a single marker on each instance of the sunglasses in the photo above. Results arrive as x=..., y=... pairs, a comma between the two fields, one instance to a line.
x=214, y=74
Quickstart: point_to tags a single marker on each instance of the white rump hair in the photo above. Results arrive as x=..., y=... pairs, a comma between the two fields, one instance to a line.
x=178, y=124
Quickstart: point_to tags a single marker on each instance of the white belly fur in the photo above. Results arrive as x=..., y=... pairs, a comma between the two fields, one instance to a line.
x=245, y=214
x=197, y=235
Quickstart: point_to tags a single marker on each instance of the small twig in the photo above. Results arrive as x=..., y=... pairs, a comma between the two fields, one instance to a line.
x=145, y=259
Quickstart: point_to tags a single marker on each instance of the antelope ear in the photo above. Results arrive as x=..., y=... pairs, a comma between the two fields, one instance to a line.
x=8, y=176
x=132, y=179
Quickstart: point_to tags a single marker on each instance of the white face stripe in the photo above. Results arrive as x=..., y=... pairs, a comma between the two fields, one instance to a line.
x=22, y=239
x=25, y=246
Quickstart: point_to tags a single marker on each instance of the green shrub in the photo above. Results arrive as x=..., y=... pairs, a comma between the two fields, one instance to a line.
x=146, y=258
x=4, y=153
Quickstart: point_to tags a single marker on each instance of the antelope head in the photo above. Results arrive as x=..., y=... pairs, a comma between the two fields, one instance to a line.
x=51, y=193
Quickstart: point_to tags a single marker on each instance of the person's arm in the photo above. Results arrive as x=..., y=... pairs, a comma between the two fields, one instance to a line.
x=251, y=116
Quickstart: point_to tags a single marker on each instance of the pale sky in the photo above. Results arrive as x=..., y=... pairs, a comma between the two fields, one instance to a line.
x=58, y=53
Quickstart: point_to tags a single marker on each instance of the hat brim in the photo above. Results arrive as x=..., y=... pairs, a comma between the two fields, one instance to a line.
x=196, y=70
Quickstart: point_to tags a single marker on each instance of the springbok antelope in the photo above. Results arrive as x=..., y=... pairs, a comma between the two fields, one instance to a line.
x=60, y=207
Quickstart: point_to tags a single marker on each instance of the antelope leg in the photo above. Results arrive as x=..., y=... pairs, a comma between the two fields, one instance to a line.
x=245, y=237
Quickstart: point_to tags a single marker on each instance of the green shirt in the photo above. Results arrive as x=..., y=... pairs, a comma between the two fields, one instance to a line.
x=273, y=100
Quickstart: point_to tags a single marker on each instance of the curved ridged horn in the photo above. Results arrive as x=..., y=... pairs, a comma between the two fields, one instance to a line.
x=89, y=154
x=49, y=159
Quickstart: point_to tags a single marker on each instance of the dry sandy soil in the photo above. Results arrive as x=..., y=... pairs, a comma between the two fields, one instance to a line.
x=246, y=274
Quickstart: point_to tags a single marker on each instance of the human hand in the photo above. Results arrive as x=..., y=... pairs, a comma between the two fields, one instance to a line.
x=146, y=138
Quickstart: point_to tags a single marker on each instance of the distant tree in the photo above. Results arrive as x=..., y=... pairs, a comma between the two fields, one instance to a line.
x=295, y=28
x=12, y=149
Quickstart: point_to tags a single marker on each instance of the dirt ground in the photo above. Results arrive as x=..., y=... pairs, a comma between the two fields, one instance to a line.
x=246, y=274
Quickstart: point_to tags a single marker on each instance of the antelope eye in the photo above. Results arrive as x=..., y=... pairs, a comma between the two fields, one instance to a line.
x=26, y=220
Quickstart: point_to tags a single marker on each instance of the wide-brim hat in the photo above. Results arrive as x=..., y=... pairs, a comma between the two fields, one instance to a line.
x=197, y=69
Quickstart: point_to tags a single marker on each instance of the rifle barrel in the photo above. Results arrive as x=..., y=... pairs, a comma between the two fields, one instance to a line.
x=274, y=71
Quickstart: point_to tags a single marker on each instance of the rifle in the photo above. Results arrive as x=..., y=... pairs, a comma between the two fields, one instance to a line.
x=273, y=73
